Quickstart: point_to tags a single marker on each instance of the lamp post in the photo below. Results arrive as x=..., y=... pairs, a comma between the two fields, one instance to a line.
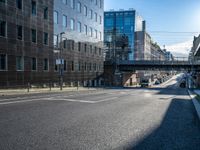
x=61, y=62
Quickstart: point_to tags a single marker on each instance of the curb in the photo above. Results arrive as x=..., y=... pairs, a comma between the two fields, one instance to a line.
x=195, y=102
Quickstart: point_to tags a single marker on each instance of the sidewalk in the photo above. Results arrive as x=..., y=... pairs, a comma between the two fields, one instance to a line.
x=11, y=92
x=193, y=94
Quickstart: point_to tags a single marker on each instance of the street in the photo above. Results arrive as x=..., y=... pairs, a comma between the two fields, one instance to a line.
x=121, y=118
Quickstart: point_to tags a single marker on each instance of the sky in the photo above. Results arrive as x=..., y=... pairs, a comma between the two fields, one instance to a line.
x=172, y=23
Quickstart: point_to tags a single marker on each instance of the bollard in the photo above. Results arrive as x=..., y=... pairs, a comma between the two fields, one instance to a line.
x=28, y=87
x=50, y=86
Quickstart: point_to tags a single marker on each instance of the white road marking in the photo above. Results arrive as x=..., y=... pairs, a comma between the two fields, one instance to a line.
x=52, y=99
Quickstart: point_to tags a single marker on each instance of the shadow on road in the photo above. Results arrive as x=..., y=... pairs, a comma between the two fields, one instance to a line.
x=180, y=130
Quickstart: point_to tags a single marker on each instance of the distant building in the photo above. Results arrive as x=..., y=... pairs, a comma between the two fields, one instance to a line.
x=142, y=46
x=195, y=50
x=156, y=52
x=119, y=33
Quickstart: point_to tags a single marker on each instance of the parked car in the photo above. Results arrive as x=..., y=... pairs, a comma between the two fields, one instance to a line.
x=144, y=83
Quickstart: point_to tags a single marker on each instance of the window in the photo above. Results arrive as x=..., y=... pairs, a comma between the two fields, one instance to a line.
x=95, y=50
x=2, y=1
x=65, y=44
x=85, y=29
x=85, y=48
x=72, y=45
x=90, y=31
x=64, y=21
x=72, y=24
x=19, y=63
x=100, y=36
x=55, y=40
x=79, y=46
x=100, y=51
x=79, y=26
x=72, y=65
x=33, y=35
x=33, y=64
x=85, y=10
x=2, y=28
x=96, y=2
x=3, y=62
x=46, y=13
x=19, y=4
x=95, y=15
x=33, y=7
x=100, y=4
x=64, y=2
x=19, y=32
x=90, y=49
x=55, y=66
x=45, y=64
x=55, y=15
x=85, y=66
x=72, y=4
x=79, y=66
x=79, y=7
x=100, y=20
x=65, y=65
x=96, y=34
x=46, y=38
x=91, y=14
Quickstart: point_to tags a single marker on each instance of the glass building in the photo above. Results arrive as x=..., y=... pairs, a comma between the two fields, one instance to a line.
x=81, y=25
x=119, y=33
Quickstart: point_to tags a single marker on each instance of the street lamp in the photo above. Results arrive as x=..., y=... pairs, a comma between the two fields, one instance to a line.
x=61, y=62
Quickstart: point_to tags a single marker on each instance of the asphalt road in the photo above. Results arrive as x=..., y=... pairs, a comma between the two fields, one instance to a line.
x=133, y=118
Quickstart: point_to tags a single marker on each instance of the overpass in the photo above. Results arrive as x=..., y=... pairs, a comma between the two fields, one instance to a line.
x=176, y=65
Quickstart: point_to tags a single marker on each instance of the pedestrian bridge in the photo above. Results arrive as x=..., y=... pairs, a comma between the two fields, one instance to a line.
x=175, y=65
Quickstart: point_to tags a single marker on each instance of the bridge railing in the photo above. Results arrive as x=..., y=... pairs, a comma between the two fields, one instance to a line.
x=146, y=61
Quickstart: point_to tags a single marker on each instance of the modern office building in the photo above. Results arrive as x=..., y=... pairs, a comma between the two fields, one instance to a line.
x=26, y=42
x=78, y=32
x=119, y=33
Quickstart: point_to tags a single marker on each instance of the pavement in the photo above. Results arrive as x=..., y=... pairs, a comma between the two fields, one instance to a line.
x=128, y=118
x=193, y=94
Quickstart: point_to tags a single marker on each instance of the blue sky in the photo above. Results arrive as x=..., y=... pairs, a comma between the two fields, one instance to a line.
x=166, y=15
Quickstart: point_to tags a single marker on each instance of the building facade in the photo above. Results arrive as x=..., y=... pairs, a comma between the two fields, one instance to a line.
x=78, y=31
x=26, y=42
x=119, y=33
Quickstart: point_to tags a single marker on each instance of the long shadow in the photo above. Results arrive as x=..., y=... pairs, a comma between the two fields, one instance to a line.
x=179, y=130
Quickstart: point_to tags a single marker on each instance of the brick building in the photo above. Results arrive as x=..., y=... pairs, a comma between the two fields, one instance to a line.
x=26, y=40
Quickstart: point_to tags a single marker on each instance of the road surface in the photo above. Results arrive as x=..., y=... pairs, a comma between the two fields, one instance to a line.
x=132, y=118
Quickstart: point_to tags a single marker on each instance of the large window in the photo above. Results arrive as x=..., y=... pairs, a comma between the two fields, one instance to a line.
x=33, y=8
x=91, y=14
x=55, y=17
x=46, y=13
x=79, y=26
x=72, y=65
x=3, y=62
x=85, y=10
x=79, y=46
x=55, y=40
x=85, y=29
x=64, y=21
x=33, y=35
x=79, y=7
x=33, y=64
x=96, y=34
x=72, y=4
x=45, y=64
x=64, y=2
x=19, y=4
x=19, y=32
x=2, y=28
x=95, y=15
x=72, y=25
x=100, y=20
x=91, y=31
x=46, y=38
x=65, y=65
x=19, y=63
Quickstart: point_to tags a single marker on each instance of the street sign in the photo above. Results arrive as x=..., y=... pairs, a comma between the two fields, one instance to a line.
x=59, y=61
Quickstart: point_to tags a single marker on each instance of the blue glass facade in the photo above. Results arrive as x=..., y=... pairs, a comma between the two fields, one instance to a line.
x=119, y=32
